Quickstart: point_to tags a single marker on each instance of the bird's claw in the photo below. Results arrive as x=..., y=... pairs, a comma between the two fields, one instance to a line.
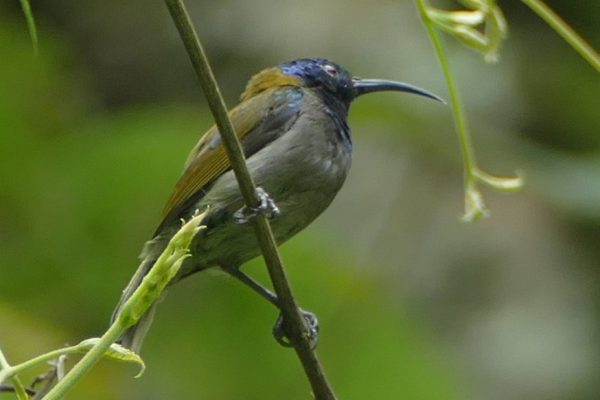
x=266, y=206
x=280, y=333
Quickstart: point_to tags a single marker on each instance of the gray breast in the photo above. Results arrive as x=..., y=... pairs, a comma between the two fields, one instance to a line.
x=302, y=171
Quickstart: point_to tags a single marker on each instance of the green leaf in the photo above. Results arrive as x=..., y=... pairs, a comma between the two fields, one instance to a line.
x=501, y=183
x=30, y=25
x=482, y=28
x=471, y=37
x=471, y=18
x=115, y=352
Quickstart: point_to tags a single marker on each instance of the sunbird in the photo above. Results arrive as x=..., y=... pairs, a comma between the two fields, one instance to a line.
x=292, y=122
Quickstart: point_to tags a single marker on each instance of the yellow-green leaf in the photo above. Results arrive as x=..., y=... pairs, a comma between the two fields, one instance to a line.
x=115, y=352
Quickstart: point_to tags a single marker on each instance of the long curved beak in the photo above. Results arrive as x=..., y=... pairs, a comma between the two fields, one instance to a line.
x=364, y=86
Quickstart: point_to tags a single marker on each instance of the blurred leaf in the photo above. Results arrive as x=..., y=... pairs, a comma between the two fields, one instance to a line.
x=500, y=183
x=115, y=352
x=474, y=206
x=30, y=24
x=463, y=25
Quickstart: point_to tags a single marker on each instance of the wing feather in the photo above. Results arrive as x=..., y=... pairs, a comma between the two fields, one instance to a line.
x=208, y=159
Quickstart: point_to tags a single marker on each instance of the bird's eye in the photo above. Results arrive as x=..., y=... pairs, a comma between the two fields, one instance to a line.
x=330, y=69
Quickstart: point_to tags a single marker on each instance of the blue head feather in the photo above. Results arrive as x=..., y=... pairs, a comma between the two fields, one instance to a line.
x=333, y=83
x=319, y=73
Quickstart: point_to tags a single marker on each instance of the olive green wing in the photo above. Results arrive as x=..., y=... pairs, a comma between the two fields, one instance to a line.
x=256, y=121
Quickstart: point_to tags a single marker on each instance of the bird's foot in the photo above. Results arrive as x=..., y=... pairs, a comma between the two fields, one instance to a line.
x=266, y=206
x=283, y=338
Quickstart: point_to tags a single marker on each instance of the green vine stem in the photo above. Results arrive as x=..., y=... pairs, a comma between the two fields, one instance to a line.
x=19, y=388
x=462, y=25
x=90, y=359
x=30, y=24
x=474, y=204
x=148, y=292
x=565, y=31
x=116, y=352
x=474, y=207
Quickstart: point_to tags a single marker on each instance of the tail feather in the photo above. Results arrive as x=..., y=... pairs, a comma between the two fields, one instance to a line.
x=134, y=336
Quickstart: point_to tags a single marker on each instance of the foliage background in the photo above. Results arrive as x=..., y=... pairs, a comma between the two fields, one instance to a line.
x=413, y=303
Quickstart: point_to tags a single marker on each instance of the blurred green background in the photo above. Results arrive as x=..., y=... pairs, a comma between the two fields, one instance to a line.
x=413, y=303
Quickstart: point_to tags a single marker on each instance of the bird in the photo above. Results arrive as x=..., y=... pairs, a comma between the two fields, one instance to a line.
x=292, y=121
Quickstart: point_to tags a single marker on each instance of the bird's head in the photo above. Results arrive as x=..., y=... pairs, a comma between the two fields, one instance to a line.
x=332, y=80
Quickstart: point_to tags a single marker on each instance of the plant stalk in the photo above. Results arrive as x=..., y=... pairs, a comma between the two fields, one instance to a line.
x=18, y=385
x=289, y=308
x=87, y=362
x=565, y=31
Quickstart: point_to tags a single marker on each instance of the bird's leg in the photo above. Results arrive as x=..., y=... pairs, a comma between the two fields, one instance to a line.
x=253, y=284
x=266, y=206
x=279, y=329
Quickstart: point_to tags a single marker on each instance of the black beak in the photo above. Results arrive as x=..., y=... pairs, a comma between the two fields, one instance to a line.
x=364, y=86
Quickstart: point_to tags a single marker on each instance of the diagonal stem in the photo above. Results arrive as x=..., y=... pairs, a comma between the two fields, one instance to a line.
x=460, y=119
x=18, y=386
x=289, y=308
x=30, y=25
x=87, y=362
x=143, y=297
x=565, y=31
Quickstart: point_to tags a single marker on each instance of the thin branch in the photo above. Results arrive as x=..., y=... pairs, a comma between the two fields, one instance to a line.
x=565, y=31
x=86, y=363
x=289, y=308
x=18, y=387
x=474, y=205
x=30, y=25
x=153, y=284
x=473, y=209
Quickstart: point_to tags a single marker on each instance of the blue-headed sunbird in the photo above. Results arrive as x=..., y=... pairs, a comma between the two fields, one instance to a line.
x=292, y=123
